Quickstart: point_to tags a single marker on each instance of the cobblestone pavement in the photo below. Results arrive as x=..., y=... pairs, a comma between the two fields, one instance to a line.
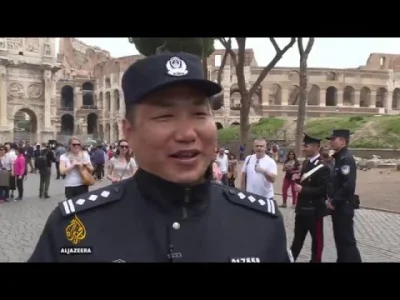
x=378, y=233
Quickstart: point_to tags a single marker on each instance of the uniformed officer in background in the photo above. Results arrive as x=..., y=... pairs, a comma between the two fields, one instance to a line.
x=342, y=199
x=312, y=187
x=170, y=210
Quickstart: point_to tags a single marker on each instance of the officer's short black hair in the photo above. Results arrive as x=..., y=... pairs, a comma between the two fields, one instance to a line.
x=158, y=72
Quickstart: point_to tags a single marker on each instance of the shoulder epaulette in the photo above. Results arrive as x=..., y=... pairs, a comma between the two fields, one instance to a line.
x=96, y=198
x=251, y=201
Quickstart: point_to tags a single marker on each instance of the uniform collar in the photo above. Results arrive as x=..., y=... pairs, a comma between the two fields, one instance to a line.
x=314, y=158
x=340, y=152
x=171, y=197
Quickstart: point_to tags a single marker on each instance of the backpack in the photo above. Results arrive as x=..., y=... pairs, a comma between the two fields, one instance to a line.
x=41, y=161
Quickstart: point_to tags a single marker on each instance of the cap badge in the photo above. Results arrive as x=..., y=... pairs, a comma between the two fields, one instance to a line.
x=176, y=67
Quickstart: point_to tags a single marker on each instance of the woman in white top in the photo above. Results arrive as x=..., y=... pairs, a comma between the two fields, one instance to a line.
x=123, y=165
x=5, y=165
x=70, y=163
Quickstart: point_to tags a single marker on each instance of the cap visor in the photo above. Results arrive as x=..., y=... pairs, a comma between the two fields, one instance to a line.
x=208, y=87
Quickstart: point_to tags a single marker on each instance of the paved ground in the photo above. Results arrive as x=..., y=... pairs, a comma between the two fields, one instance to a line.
x=378, y=233
x=377, y=189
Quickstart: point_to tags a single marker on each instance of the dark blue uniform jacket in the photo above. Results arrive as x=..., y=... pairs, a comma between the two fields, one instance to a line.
x=148, y=219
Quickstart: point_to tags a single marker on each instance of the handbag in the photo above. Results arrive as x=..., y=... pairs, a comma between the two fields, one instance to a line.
x=86, y=175
x=4, y=176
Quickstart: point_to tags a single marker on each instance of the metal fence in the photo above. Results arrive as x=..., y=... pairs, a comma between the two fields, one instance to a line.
x=388, y=142
x=279, y=135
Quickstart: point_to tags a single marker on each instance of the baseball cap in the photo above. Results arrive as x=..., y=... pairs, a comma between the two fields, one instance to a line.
x=160, y=71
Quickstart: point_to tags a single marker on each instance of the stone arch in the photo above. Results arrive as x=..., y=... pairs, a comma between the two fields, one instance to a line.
x=235, y=123
x=107, y=133
x=331, y=96
x=115, y=132
x=365, y=97
x=67, y=97
x=107, y=82
x=381, y=95
x=87, y=86
x=107, y=102
x=235, y=97
x=396, y=99
x=101, y=132
x=100, y=101
x=116, y=100
x=348, y=96
x=219, y=125
x=275, y=95
x=92, y=121
x=67, y=124
x=87, y=94
x=25, y=125
x=313, y=97
x=294, y=95
x=214, y=75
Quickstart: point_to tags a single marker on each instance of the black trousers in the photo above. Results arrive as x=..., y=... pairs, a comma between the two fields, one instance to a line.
x=304, y=224
x=20, y=186
x=343, y=233
x=99, y=171
x=44, y=183
x=74, y=191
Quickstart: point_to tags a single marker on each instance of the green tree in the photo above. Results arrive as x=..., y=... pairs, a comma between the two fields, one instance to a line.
x=201, y=47
x=301, y=113
x=238, y=61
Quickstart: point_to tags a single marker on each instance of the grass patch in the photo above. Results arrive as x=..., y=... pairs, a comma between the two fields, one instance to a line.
x=387, y=134
x=322, y=127
x=389, y=125
x=267, y=128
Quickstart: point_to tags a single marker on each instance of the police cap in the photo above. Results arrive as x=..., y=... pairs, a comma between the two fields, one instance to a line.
x=160, y=71
x=343, y=133
x=310, y=140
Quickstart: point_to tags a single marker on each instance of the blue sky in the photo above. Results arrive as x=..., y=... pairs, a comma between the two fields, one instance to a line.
x=327, y=52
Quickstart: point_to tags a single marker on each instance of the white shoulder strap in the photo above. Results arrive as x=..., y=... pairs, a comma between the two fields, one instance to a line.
x=309, y=173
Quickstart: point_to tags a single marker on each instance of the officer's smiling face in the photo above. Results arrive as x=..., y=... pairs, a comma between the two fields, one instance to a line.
x=173, y=134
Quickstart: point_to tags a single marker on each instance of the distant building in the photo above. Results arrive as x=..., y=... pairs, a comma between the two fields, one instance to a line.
x=78, y=92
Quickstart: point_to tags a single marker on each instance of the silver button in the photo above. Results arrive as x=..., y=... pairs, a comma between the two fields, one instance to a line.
x=176, y=226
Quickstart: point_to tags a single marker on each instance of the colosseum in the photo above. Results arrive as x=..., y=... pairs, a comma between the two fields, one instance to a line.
x=46, y=95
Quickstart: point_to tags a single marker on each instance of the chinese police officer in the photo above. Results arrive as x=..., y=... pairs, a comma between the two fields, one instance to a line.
x=312, y=187
x=170, y=210
x=342, y=200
